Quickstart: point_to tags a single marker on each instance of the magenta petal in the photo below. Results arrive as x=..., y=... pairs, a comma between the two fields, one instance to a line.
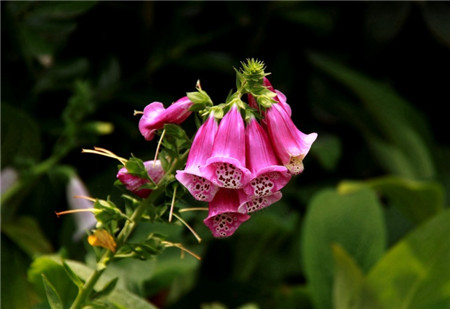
x=178, y=111
x=258, y=203
x=268, y=175
x=152, y=120
x=223, y=218
x=290, y=144
x=134, y=183
x=201, y=188
x=226, y=167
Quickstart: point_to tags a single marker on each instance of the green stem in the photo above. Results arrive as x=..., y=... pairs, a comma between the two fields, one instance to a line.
x=124, y=234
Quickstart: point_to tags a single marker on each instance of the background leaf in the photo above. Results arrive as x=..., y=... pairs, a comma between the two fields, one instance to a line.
x=355, y=222
x=415, y=273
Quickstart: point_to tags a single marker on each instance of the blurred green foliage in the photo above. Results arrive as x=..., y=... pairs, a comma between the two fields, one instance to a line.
x=367, y=223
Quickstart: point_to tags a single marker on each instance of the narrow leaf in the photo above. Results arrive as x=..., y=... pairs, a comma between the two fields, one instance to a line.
x=52, y=295
x=74, y=277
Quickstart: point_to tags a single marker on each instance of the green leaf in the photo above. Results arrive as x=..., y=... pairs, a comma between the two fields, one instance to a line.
x=16, y=291
x=52, y=295
x=415, y=273
x=355, y=222
x=107, y=289
x=53, y=270
x=349, y=288
x=397, y=124
x=52, y=267
x=417, y=200
x=28, y=235
x=73, y=276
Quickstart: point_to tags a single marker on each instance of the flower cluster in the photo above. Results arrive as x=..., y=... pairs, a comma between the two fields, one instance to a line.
x=240, y=168
x=242, y=155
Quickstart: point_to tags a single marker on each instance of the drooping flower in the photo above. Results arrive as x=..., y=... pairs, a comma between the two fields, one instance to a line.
x=290, y=144
x=269, y=176
x=259, y=202
x=191, y=177
x=223, y=217
x=134, y=183
x=226, y=167
x=155, y=116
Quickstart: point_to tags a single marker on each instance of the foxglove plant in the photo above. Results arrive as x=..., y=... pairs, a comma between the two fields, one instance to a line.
x=191, y=177
x=136, y=183
x=226, y=167
x=241, y=157
x=155, y=116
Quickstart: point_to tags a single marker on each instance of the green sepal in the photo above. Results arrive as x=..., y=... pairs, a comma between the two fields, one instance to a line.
x=136, y=167
x=145, y=250
x=106, y=212
x=53, y=297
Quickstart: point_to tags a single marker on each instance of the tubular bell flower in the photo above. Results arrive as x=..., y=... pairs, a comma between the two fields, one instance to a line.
x=155, y=116
x=290, y=144
x=201, y=188
x=268, y=175
x=223, y=217
x=226, y=166
x=259, y=202
x=134, y=183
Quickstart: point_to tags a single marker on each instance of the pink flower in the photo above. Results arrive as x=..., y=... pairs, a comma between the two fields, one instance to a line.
x=259, y=202
x=290, y=144
x=226, y=166
x=155, y=116
x=268, y=175
x=134, y=183
x=191, y=177
x=223, y=218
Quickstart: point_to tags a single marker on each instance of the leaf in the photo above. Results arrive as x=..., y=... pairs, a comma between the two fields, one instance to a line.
x=349, y=288
x=107, y=289
x=73, y=276
x=355, y=222
x=28, y=235
x=16, y=291
x=397, y=123
x=53, y=270
x=52, y=295
x=436, y=18
x=417, y=200
x=52, y=267
x=416, y=272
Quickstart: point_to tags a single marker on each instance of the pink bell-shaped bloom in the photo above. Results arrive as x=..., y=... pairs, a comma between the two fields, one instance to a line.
x=155, y=116
x=226, y=166
x=290, y=144
x=201, y=188
x=152, y=120
x=258, y=203
x=178, y=111
x=223, y=217
x=268, y=175
x=134, y=183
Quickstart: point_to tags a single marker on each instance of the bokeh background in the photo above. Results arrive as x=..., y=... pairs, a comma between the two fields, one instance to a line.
x=371, y=78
